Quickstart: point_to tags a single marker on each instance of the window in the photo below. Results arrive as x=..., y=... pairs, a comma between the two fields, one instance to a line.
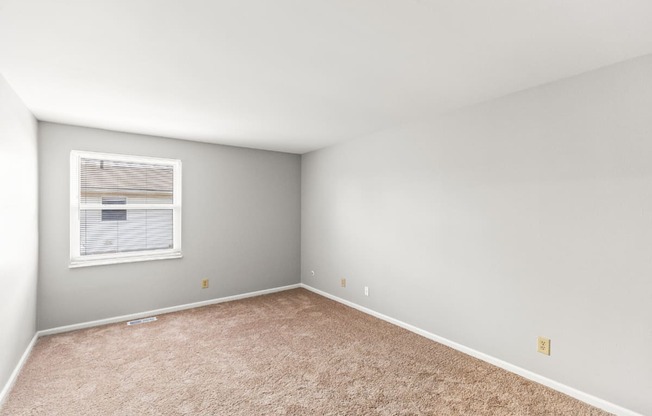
x=114, y=214
x=123, y=208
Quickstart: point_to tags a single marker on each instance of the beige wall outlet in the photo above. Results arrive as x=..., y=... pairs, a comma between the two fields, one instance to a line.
x=343, y=282
x=543, y=345
x=204, y=284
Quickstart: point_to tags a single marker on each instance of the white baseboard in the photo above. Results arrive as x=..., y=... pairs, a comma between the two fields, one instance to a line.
x=585, y=397
x=14, y=375
x=123, y=318
x=580, y=395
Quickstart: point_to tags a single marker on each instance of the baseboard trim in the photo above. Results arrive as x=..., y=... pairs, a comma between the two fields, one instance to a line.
x=555, y=385
x=580, y=395
x=124, y=318
x=14, y=375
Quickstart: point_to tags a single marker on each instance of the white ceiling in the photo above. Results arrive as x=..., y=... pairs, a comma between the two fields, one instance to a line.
x=297, y=75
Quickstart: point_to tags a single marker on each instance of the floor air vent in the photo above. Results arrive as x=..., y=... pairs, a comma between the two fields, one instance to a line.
x=142, y=321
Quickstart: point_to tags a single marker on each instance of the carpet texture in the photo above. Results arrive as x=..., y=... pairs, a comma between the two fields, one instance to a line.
x=289, y=353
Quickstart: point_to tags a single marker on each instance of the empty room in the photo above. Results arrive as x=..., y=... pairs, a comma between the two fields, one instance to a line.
x=364, y=207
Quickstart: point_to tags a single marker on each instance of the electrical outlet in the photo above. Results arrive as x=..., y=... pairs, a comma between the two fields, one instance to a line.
x=366, y=290
x=204, y=284
x=343, y=282
x=543, y=345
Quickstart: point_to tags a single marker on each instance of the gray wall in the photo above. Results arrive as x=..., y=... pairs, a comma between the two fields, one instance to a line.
x=241, y=228
x=528, y=215
x=18, y=229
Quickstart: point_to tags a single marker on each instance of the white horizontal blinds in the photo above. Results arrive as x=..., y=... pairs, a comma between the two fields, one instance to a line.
x=139, y=183
x=141, y=230
x=125, y=206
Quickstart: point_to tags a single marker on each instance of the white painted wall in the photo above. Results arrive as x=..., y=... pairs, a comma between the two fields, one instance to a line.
x=240, y=228
x=18, y=229
x=528, y=215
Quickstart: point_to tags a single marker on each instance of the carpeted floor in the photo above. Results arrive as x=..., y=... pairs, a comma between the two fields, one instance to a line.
x=290, y=353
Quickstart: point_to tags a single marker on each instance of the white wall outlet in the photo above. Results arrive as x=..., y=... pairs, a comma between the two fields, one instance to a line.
x=366, y=290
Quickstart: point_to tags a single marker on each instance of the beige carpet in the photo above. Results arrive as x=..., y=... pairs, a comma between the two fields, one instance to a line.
x=290, y=353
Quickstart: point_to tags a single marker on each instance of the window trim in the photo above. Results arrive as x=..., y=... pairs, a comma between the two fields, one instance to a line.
x=76, y=259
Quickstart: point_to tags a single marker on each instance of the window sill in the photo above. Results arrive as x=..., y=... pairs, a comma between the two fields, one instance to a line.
x=124, y=259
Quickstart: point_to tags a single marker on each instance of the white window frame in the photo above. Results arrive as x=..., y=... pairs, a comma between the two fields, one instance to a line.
x=76, y=206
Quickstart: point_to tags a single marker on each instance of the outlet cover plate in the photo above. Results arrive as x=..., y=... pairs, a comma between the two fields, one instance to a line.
x=543, y=345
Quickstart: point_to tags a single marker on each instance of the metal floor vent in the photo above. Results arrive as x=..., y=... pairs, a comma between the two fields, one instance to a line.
x=142, y=321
